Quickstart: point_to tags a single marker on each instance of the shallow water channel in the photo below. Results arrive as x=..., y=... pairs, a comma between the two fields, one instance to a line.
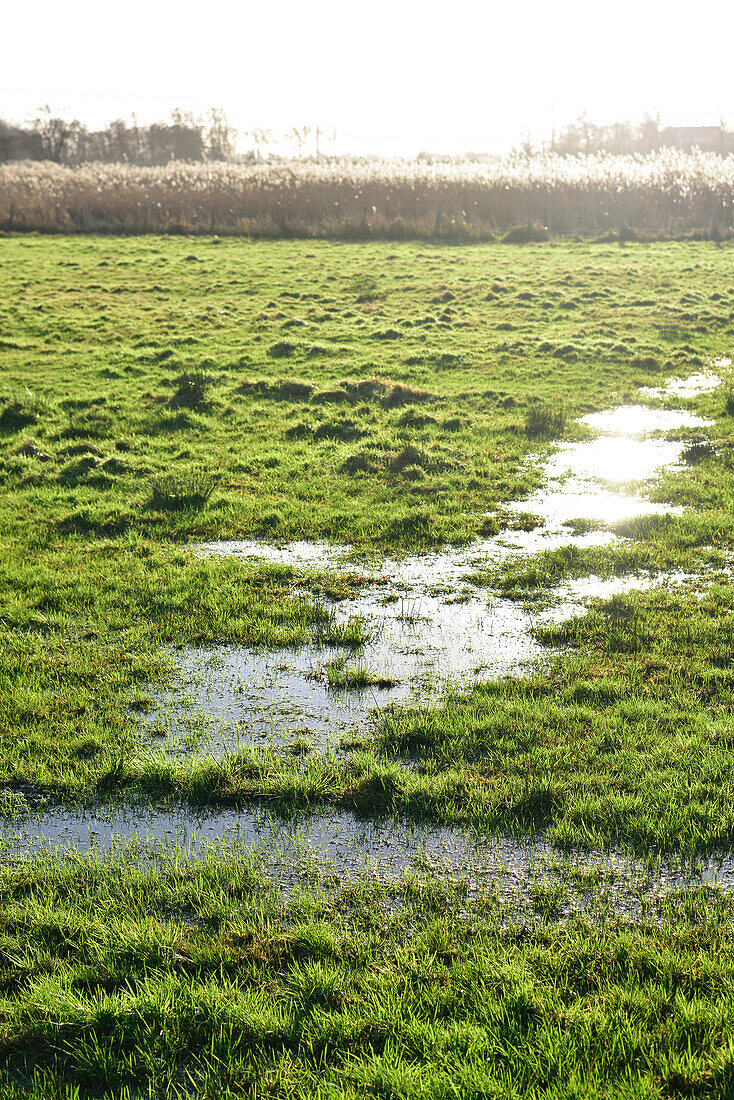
x=429, y=627
x=332, y=849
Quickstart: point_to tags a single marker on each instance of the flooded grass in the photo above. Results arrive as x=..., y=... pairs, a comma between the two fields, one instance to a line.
x=403, y=747
x=430, y=630
x=337, y=847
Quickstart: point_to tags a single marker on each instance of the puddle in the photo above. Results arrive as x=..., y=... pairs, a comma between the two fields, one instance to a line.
x=238, y=695
x=299, y=555
x=692, y=386
x=584, y=480
x=423, y=642
x=343, y=839
x=430, y=628
x=333, y=849
x=639, y=421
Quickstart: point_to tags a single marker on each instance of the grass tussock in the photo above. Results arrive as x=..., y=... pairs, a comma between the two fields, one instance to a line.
x=191, y=391
x=526, y=234
x=278, y=389
x=22, y=411
x=545, y=420
x=342, y=675
x=179, y=492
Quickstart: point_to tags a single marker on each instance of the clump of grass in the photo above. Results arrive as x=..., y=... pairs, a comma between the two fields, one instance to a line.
x=376, y=792
x=526, y=234
x=300, y=430
x=698, y=451
x=412, y=419
x=729, y=403
x=29, y=449
x=191, y=390
x=178, y=492
x=413, y=527
x=142, y=704
x=366, y=388
x=389, y=394
x=642, y=527
x=22, y=411
x=583, y=525
x=366, y=461
x=352, y=634
x=408, y=457
x=342, y=676
x=445, y=360
x=300, y=746
x=570, y=353
x=340, y=430
x=488, y=527
x=169, y=424
x=519, y=575
x=404, y=395
x=282, y=350
x=331, y=397
x=365, y=288
x=278, y=389
x=646, y=362
x=545, y=420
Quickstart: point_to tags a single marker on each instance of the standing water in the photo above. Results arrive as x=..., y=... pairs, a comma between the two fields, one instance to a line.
x=428, y=627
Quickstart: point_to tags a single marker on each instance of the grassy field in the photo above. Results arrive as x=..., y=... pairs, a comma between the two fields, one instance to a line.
x=156, y=392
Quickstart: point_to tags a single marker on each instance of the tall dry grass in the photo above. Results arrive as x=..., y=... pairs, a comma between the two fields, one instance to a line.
x=669, y=192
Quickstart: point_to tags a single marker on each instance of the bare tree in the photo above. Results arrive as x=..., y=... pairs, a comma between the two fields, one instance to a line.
x=260, y=139
x=220, y=136
x=649, y=133
x=323, y=136
x=54, y=132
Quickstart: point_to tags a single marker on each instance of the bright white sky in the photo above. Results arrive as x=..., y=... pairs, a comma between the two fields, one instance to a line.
x=390, y=76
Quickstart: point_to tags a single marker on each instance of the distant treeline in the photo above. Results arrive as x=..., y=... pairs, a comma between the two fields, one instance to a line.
x=211, y=138
x=184, y=138
x=517, y=198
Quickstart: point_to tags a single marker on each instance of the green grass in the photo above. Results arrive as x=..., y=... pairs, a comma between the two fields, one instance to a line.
x=144, y=407
x=199, y=980
x=145, y=404
x=545, y=420
x=345, y=676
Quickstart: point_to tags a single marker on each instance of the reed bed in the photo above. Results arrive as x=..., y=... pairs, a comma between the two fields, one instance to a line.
x=669, y=193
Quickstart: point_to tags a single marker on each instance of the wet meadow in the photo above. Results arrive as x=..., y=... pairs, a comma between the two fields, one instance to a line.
x=366, y=669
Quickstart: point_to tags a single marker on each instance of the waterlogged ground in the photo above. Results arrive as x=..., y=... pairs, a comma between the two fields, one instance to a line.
x=366, y=688
x=430, y=626
x=336, y=850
